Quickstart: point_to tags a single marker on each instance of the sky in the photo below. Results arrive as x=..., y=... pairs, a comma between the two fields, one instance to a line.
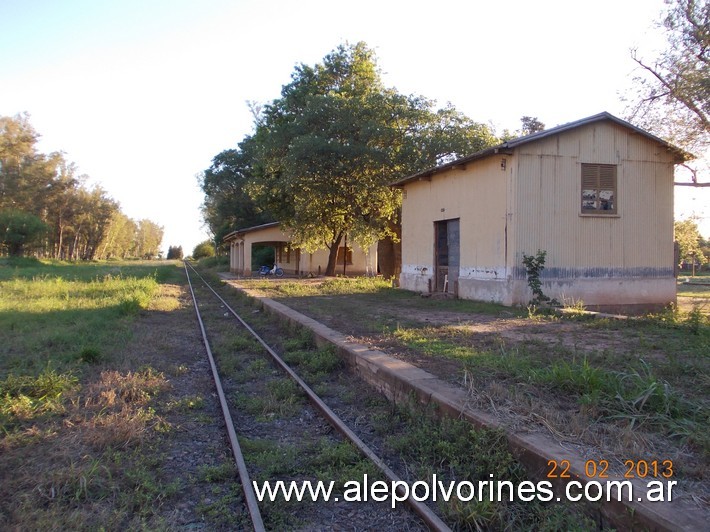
x=142, y=94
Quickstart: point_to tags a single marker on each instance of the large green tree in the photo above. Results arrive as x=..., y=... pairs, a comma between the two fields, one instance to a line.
x=92, y=217
x=149, y=236
x=19, y=230
x=326, y=150
x=26, y=175
x=227, y=205
x=689, y=241
x=672, y=96
x=203, y=250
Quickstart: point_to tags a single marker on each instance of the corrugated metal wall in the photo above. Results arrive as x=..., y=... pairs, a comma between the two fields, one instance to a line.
x=477, y=196
x=547, y=205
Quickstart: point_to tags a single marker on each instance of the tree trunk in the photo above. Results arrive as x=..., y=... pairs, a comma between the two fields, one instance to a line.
x=333, y=255
x=74, y=252
x=60, y=241
x=389, y=254
x=58, y=234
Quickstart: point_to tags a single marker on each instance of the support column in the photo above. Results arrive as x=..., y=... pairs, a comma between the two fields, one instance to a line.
x=246, y=258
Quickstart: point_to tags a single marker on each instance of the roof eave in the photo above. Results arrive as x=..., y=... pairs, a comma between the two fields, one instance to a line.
x=240, y=232
x=462, y=162
x=680, y=156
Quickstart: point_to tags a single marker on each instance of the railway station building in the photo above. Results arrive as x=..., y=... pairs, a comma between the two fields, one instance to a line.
x=352, y=260
x=596, y=195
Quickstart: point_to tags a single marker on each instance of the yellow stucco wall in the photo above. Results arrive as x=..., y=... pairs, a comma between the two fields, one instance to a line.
x=477, y=196
x=293, y=260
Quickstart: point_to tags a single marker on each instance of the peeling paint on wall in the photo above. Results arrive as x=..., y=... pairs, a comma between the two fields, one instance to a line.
x=519, y=272
x=482, y=273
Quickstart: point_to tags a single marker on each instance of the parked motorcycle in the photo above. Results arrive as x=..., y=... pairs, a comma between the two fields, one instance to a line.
x=265, y=270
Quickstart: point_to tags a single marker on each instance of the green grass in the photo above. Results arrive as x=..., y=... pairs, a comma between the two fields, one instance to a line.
x=618, y=384
x=367, y=305
x=218, y=473
x=314, y=363
x=623, y=390
x=223, y=509
x=329, y=286
x=339, y=462
x=270, y=458
x=437, y=342
x=25, y=397
x=455, y=451
x=76, y=431
x=322, y=459
x=281, y=398
x=186, y=404
x=29, y=268
x=60, y=313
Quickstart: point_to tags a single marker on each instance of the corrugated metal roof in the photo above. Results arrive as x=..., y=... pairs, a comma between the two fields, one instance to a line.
x=680, y=154
x=235, y=234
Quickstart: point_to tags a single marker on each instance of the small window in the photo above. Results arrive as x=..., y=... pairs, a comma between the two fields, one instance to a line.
x=341, y=254
x=599, y=189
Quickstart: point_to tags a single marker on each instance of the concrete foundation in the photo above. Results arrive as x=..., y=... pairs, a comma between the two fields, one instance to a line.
x=606, y=294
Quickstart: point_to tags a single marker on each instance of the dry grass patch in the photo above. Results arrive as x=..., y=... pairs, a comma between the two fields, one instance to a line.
x=117, y=411
x=167, y=299
x=73, y=469
x=116, y=388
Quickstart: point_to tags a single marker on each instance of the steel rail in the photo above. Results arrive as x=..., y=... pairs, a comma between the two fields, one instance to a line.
x=247, y=487
x=428, y=516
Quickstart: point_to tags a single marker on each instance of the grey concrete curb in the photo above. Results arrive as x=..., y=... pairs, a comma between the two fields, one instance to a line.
x=401, y=381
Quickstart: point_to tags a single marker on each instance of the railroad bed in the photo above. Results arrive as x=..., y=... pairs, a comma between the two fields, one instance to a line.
x=290, y=439
x=278, y=434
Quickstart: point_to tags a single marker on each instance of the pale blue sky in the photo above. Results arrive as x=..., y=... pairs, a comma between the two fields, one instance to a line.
x=141, y=94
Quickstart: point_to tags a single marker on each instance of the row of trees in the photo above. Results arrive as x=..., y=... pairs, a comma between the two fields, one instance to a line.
x=46, y=208
x=323, y=154
x=175, y=253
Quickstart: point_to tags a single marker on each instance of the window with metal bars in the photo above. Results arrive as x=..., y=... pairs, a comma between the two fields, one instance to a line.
x=599, y=195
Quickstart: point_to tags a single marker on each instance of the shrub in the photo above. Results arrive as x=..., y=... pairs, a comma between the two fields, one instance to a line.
x=203, y=250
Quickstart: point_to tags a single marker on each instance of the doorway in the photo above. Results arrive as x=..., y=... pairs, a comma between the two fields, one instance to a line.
x=446, y=255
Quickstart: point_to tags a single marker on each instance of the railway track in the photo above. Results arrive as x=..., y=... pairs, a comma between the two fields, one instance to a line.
x=215, y=317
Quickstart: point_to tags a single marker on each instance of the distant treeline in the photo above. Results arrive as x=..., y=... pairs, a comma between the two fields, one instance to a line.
x=46, y=209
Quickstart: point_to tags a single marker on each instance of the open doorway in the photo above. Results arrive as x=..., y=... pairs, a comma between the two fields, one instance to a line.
x=262, y=255
x=446, y=255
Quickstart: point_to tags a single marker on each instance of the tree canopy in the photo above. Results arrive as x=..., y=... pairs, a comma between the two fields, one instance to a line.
x=227, y=205
x=174, y=253
x=323, y=154
x=672, y=97
x=690, y=242
x=203, y=250
x=18, y=230
x=75, y=222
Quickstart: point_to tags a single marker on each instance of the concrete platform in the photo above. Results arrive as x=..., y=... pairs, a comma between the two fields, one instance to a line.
x=401, y=382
